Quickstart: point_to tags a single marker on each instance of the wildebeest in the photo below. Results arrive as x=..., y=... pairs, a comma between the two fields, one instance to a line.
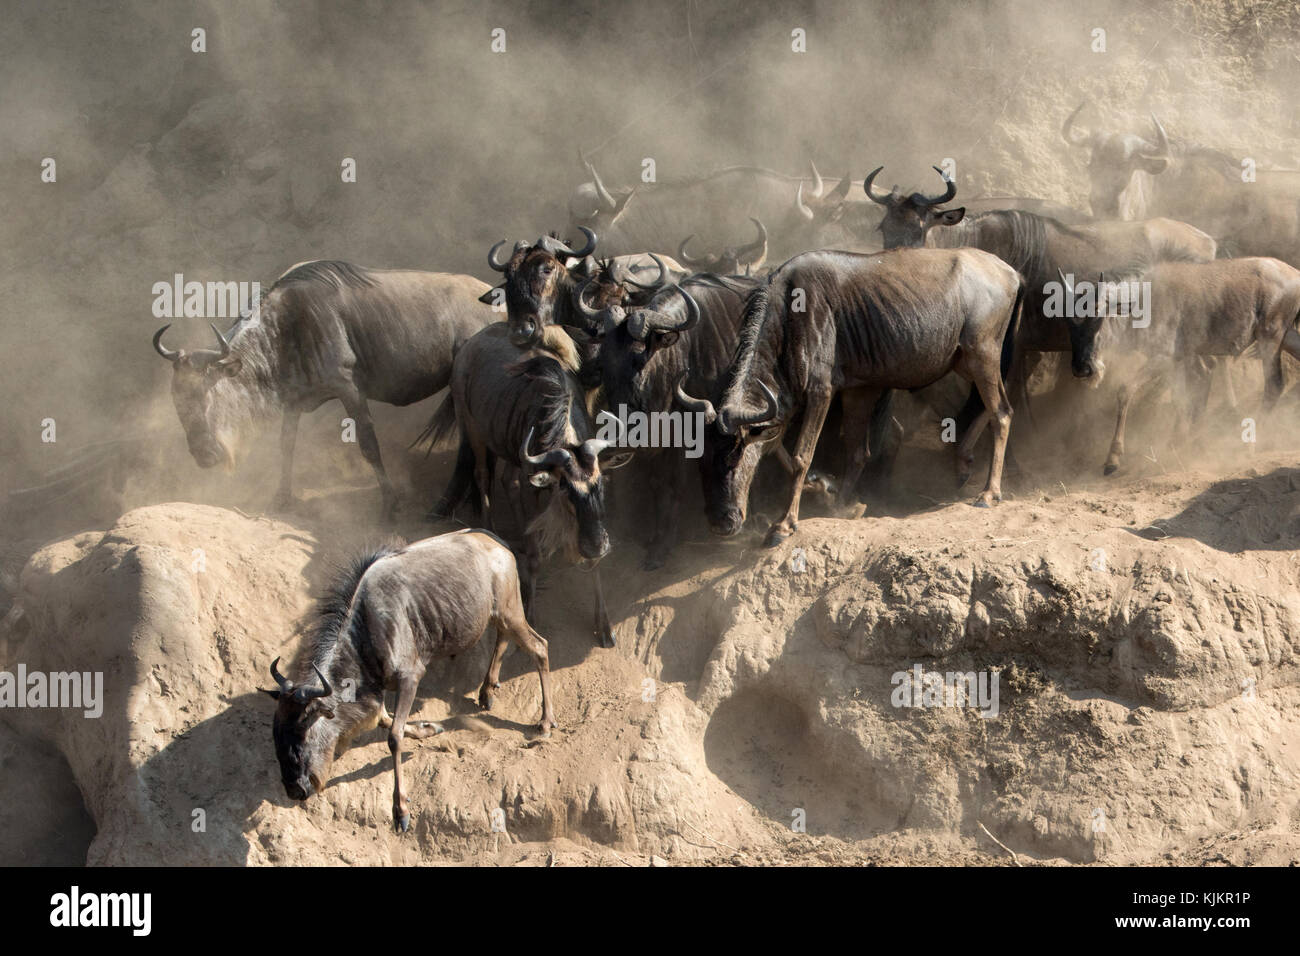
x=861, y=325
x=326, y=330
x=540, y=286
x=801, y=212
x=1138, y=177
x=732, y=260
x=1197, y=311
x=1040, y=248
x=377, y=628
x=527, y=411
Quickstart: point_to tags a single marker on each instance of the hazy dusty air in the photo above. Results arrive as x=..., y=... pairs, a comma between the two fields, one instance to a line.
x=226, y=165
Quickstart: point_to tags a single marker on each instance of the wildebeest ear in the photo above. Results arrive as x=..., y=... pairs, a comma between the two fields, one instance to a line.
x=950, y=217
x=541, y=479
x=230, y=367
x=273, y=694
x=490, y=297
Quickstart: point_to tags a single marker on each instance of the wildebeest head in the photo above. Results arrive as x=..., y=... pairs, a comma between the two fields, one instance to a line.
x=827, y=218
x=305, y=741
x=194, y=373
x=592, y=204
x=630, y=340
x=1114, y=159
x=730, y=261
x=909, y=218
x=576, y=474
x=535, y=276
x=732, y=453
x=1085, y=360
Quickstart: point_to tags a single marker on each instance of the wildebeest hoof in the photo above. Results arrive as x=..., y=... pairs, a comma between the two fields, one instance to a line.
x=420, y=729
x=776, y=535
x=605, y=638
x=543, y=732
x=1109, y=469
x=401, y=822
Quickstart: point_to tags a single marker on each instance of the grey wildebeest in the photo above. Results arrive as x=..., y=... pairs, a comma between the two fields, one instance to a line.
x=732, y=260
x=1196, y=311
x=377, y=627
x=528, y=411
x=828, y=322
x=1039, y=248
x=325, y=330
x=1138, y=177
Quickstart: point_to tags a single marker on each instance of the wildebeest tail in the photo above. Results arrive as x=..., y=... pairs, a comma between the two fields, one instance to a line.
x=1010, y=353
x=440, y=428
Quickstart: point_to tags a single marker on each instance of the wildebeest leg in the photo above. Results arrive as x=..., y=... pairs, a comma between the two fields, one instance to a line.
x=483, y=478
x=458, y=486
x=368, y=442
x=528, y=578
x=817, y=404
x=417, y=729
x=667, y=490
x=985, y=373
x=492, y=679
x=288, y=438
x=406, y=686
x=510, y=621
x=858, y=404
x=604, y=633
x=1149, y=385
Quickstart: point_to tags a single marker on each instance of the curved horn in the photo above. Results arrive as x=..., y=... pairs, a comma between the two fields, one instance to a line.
x=161, y=349
x=660, y=280
x=601, y=191
x=1068, y=133
x=841, y=192
x=818, y=185
x=550, y=459
x=645, y=321
x=311, y=693
x=686, y=259
x=558, y=248
x=284, y=683
x=870, y=190
x=225, y=345
x=756, y=251
x=1162, y=140
x=749, y=418
x=948, y=193
x=1065, y=284
x=799, y=204
x=695, y=404
x=581, y=304
x=492, y=258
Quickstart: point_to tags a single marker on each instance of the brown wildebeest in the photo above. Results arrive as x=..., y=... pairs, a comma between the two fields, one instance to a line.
x=860, y=325
x=377, y=628
x=1197, y=311
x=325, y=330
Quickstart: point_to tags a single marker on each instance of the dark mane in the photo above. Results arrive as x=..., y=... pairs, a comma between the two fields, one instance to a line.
x=332, y=617
x=1028, y=237
x=334, y=272
x=559, y=393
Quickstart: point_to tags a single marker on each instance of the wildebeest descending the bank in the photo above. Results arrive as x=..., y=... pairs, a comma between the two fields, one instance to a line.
x=828, y=322
x=1197, y=311
x=377, y=628
x=527, y=411
x=325, y=330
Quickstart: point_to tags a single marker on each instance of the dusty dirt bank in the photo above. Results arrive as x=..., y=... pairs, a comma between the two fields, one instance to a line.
x=1145, y=643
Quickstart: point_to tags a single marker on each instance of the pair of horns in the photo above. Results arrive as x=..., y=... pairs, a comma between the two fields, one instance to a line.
x=555, y=247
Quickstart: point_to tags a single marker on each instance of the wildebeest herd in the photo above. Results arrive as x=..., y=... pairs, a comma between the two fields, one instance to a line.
x=537, y=401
